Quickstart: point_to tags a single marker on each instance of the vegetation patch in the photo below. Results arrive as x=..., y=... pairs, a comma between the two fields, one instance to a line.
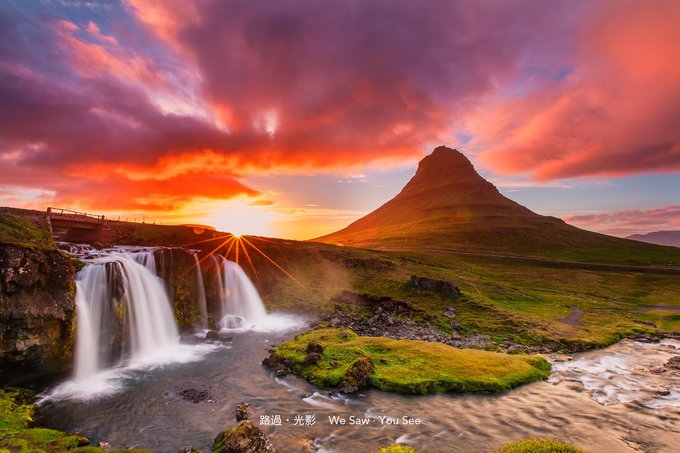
x=30, y=232
x=538, y=446
x=398, y=449
x=340, y=358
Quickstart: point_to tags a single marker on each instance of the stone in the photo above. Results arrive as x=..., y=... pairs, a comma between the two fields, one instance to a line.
x=673, y=363
x=194, y=395
x=357, y=376
x=427, y=284
x=242, y=412
x=314, y=346
x=243, y=438
x=313, y=358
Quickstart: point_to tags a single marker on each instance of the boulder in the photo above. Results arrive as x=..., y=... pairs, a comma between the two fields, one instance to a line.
x=448, y=289
x=242, y=412
x=673, y=363
x=357, y=376
x=243, y=438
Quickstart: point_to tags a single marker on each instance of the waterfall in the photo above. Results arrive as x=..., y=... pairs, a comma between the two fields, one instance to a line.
x=123, y=311
x=202, y=304
x=240, y=304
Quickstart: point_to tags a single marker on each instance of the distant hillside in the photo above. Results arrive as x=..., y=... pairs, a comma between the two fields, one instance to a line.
x=447, y=204
x=670, y=238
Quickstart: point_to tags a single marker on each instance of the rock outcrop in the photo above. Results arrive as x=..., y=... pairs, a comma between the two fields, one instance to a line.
x=37, y=313
x=245, y=437
x=445, y=288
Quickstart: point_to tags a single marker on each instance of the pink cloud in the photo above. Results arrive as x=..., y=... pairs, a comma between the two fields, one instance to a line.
x=630, y=221
x=616, y=113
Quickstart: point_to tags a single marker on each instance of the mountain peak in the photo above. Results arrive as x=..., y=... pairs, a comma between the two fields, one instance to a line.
x=448, y=202
x=446, y=157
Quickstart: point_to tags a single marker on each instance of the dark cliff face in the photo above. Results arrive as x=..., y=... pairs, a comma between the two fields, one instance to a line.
x=37, y=314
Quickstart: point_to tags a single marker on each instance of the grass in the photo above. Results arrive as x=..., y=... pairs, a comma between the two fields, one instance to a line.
x=30, y=232
x=18, y=436
x=538, y=446
x=409, y=366
x=523, y=301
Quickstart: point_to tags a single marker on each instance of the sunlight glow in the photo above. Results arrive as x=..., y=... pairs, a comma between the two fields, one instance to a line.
x=238, y=218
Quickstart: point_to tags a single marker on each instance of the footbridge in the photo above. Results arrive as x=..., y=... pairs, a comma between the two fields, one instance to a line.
x=79, y=227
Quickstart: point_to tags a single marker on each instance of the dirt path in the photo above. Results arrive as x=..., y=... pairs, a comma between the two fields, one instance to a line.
x=573, y=318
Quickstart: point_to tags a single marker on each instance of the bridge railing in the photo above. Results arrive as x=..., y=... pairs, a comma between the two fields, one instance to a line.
x=73, y=214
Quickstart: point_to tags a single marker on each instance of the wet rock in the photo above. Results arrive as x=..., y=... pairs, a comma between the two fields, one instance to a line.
x=448, y=289
x=357, y=376
x=242, y=412
x=314, y=346
x=212, y=335
x=673, y=363
x=243, y=438
x=104, y=445
x=647, y=323
x=194, y=395
x=188, y=450
x=279, y=365
x=313, y=358
x=37, y=313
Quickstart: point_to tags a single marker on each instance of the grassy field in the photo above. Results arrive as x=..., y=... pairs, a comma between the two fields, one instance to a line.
x=523, y=301
x=406, y=366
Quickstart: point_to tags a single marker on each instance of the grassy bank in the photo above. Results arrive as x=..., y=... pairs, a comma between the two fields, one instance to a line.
x=405, y=366
x=538, y=446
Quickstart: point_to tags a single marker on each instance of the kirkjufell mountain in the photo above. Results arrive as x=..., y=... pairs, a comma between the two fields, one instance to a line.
x=448, y=204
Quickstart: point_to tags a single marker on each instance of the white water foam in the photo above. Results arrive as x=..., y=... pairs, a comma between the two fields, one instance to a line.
x=630, y=372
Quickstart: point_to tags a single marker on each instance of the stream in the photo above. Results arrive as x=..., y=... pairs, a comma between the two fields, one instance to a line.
x=619, y=399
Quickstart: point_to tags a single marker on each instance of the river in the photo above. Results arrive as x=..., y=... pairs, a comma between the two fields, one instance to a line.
x=613, y=400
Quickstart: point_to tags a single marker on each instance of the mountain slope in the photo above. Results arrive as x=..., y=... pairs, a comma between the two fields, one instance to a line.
x=669, y=238
x=447, y=204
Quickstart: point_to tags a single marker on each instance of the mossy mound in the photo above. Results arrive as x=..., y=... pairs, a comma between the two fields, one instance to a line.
x=397, y=449
x=402, y=366
x=538, y=446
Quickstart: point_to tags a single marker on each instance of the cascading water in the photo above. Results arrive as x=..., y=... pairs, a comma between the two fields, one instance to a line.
x=240, y=304
x=202, y=303
x=123, y=312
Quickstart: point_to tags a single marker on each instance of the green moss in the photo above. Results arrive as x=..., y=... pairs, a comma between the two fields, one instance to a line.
x=408, y=366
x=538, y=446
x=15, y=413
x=30, y=232
x=397, y=449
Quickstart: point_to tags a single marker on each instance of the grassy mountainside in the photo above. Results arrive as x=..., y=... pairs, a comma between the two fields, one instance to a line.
x=571, y=306
x=447, y=204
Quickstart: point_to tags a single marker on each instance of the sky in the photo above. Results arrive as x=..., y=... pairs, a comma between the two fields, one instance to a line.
x=293, y=118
